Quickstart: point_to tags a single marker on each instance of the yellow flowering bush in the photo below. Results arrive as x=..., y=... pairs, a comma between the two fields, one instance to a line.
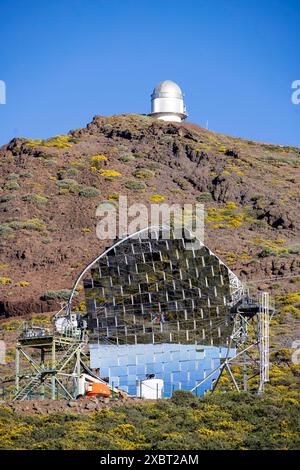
x=98, y=158
x=157, y=198
x=97, y=162
x=292, y=298
x=59, y=141
x=226, y=217
x=5, y=280
x=110, y=173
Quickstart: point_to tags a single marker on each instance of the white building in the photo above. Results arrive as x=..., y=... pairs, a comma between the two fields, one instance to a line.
x=167, y=102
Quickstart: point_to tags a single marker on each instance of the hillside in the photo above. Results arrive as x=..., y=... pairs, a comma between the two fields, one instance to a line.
x=223, y=422
x=50, y=189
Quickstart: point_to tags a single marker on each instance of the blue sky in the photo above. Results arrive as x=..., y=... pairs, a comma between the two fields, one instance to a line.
x=65, y=61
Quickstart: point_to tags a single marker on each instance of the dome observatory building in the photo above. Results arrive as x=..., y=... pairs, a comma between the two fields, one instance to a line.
x=167, y=102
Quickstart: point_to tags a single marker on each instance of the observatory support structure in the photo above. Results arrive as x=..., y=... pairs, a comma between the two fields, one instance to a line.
x=48, y=364
x=250, y=338
x=264, y=342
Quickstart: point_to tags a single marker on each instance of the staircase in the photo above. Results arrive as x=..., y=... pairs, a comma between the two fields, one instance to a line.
x=67, y=354
x=32, y=385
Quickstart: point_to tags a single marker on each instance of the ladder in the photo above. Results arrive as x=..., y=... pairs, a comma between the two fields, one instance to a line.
x=30, y=387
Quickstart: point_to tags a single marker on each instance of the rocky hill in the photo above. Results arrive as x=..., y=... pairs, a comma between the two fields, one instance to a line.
x=50, y=189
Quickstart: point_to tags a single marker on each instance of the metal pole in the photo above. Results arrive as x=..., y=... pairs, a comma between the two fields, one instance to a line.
x=78, y=368
x=222, y=367
x=232, y=377
x=42, y=367
x=264, y=341
x=53, y=365
x=244, y=326
x=267, y=338
x=17, y=379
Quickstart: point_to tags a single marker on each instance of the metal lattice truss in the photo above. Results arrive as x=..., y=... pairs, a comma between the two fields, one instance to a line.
x=47, y=365
x=236, y=288
x=250, y=339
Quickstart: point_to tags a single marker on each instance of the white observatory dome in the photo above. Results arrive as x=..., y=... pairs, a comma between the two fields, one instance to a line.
x=167, y=102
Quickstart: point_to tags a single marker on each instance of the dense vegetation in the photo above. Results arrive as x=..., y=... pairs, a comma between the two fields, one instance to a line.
x=221, y=421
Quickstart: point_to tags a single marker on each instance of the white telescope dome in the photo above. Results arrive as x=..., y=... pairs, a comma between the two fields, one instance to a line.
x=167, y=88
x=167, y=102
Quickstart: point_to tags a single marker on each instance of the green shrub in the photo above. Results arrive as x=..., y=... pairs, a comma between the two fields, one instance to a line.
x=181, y=183
x=153, y=165
x=48, y=240
x=5, y=231
x=180, y=397
x=71, y=172
x=11, y=186
x=6, y=197
x=135, y=185
x=257, y=197
x=30, y=224
x=294, y=249
x=73, y=139
x=127, y=157
x=204, y=197
x=261, y=223
x=143, y=173
x=62, y=294
x=49, y=161
x=26, y=175
x=13, y=176
x=267, y=252
x=107, y=127
x=140, y=154
x=89, y=191
x=35, y=198
x=68, y=185
x=166, y=139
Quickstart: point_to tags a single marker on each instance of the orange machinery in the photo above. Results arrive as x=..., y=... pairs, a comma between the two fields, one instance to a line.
x=98, y=388
x=93, y=387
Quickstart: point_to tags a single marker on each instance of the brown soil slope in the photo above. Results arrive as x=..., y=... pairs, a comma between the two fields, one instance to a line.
x=50, y=189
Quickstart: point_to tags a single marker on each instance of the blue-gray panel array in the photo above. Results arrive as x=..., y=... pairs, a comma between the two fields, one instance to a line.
x=180, y=366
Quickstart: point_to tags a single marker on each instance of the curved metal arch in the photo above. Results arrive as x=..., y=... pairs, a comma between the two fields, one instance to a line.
x=236, y=286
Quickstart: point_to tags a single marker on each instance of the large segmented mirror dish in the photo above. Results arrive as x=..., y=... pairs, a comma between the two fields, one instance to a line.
x=158, y=292
x=155, y=290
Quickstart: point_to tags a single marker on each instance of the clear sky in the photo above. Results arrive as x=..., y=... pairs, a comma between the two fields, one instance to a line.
x=63, y=61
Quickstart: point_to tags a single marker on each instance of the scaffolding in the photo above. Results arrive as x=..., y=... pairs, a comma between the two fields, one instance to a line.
x=48, y=363
x=264, y=340
x=250, y=340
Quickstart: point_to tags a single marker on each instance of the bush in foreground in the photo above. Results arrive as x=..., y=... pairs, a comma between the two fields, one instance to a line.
x=185, y=422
